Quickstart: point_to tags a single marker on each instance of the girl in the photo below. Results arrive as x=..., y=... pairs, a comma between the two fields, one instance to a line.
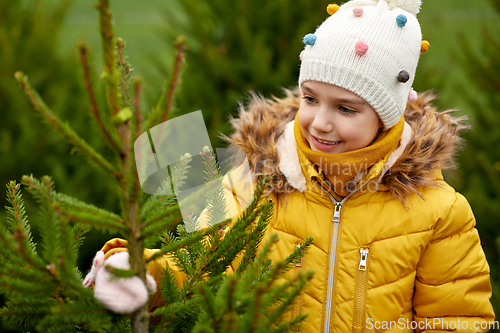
x=358, y=159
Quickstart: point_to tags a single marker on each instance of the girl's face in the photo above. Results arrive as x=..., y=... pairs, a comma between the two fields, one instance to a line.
x=334, y=120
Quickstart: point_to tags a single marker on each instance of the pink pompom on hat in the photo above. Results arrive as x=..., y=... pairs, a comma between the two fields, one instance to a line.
x=371, y=48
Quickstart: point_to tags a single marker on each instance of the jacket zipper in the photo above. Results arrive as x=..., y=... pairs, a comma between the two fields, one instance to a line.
x=333, y=253
x=359, y=300
x=333, y=250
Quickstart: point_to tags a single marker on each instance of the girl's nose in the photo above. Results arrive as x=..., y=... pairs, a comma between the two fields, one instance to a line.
x=323, y=121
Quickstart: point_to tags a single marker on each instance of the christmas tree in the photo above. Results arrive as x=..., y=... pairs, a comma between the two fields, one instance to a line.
x=41, y=282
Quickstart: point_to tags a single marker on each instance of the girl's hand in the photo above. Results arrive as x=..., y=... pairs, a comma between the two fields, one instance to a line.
x=120, y=295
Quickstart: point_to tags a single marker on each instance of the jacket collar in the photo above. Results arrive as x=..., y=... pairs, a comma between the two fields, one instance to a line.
x=300, y=176
x=264, y=132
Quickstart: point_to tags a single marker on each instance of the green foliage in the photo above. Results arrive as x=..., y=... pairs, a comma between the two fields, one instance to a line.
x=248, y=300
x=215, y=195
x=45, y=291
x=43, y=286
x=29, y=42
x=480, y=162
x=40, y=279
x=239, y=46
x=233, y=47
x=496, y=3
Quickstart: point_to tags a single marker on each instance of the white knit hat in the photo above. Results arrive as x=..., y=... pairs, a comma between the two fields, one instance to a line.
x=371, y=48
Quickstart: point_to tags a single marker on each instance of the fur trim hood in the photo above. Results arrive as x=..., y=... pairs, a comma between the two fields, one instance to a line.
x=434, y=142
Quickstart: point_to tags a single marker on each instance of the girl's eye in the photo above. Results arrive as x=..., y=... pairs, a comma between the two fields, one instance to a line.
x=346, y=110
x=309, y=99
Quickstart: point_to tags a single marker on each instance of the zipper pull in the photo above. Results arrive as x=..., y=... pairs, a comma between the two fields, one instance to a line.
x=336, y=213
x=363, y=259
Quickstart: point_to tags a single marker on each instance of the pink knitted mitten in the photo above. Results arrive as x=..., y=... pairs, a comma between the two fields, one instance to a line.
x=122, y=295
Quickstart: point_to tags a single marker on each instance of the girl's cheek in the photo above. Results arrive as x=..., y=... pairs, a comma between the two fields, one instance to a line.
x=348, y=131
x=303, y=119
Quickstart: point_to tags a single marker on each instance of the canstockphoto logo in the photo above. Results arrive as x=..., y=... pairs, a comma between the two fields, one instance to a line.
x=165, y=149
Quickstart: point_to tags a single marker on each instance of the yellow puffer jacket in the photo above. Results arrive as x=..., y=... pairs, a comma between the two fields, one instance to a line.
x=400, y=253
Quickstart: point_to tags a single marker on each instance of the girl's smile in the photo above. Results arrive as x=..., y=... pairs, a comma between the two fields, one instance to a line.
x=323, y=145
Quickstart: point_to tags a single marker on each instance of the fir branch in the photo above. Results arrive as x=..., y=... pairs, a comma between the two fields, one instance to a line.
x=93, y=103
x=265, y=267
x=203, y=328
x=153, y=210
x=154, y=204
x=79, y=231
x=218, y=312
x=59, y=249
x=80, y=315
x=211, y=166
x=223, y=255
x=255, y=239
x=180, y=45
x=157, y=203
x=226, y=249
x=178, y=316
x=158, y=116
x=292, y=326
x=16, y=215
x=63, y=128
x=76, y=210
x=155, y=229
x=7, y=245
x=207, y=302
x=169, y=288
x=137, y=87
x=296, y=284
x=259, y=263
x=9, y=288
x=160, y=215
x=196, y=249
x=70, y=253
x=176, y=244
x=224, y=303
x=269, y=270
x=137, y=106
x=24, y=314
x=133, y=181
x=30, y=256
x=118, y=273
x=232, y=243
x=73, y=204
x=227, y=293
x=126, y=88
x=183, y=262
x=27, y=286
x=12, y=252
x=216, y=199
x=179, y=171
x=298, y=253
x=89, y=216
x=43, y=190
x=110, y=75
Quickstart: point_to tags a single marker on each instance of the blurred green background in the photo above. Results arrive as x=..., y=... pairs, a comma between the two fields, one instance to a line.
x=233, y=47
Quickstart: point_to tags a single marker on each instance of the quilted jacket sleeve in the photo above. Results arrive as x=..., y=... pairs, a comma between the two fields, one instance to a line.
x=452, y=285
